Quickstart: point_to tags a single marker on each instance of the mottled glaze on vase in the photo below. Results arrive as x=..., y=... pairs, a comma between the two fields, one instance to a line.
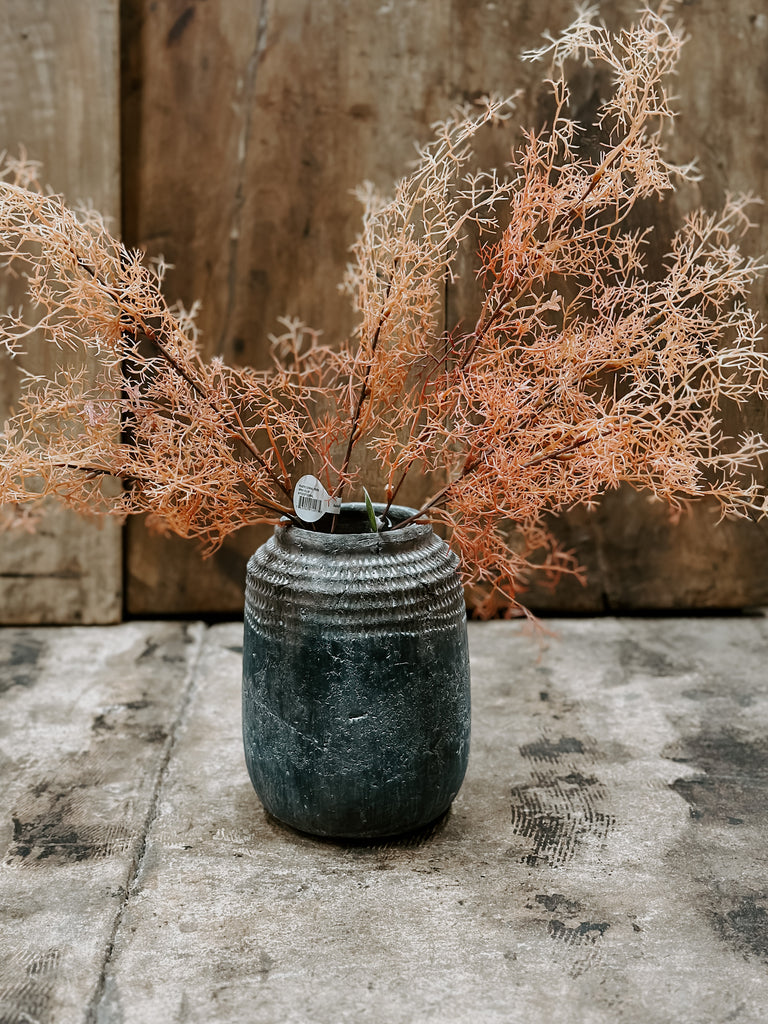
x=356, y=705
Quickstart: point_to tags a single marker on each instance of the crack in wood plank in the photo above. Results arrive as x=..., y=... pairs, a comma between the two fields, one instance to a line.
x=242, y=154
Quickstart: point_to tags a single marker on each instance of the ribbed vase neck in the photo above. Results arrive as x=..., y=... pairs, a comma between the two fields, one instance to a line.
x=357, y=582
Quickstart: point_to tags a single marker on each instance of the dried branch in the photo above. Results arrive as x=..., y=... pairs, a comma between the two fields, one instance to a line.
x=579, y=373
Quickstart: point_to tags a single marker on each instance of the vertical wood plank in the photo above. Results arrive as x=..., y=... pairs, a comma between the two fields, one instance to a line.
x=637, y=557
x=253, y=121
x=59, y=98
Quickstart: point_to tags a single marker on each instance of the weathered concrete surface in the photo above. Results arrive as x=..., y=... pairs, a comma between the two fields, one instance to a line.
x=87, y=718
x=605, y=861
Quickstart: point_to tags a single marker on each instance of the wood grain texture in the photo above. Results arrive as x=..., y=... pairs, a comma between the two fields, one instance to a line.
x=245, y=127
x=636, y=556
x=252, y=122
x=59, y=98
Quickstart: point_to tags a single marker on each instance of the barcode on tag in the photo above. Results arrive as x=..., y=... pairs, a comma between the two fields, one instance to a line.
x=312, y=501
x=309, y=504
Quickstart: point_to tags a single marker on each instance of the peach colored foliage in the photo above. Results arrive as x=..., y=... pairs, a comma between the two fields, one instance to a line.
x=579, y=374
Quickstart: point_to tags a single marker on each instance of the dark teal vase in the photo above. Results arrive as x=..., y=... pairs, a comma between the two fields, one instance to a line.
x=356, y=705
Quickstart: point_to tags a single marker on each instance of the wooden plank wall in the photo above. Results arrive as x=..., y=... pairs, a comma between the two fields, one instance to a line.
x=251, y=123
x=59, y=97
x=246, y=125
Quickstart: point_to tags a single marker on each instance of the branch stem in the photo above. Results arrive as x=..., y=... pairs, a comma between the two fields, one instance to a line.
x=363, y=392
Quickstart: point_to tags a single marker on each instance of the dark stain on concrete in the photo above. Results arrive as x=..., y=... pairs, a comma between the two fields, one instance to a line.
x=557, y=813
x=168, y=652
x=264, y=965
x=638, y=658
x=731, y=784
x=567, y=925
x=577, y=779
x=53, y=824
x=549, y=833
x=558, y=903
x=728, y=791
x=154, y=734
x=134, y=719
x=44, y=840
x=745, y=926
x=27, y=988
x=550, y=750
x=19, y=660
x=109, y=720
x=716, y=691
x=583, y=932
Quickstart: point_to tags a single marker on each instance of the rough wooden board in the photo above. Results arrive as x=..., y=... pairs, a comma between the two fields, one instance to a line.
x=276, y=110
x=604, y=862
x=169, y=576
x=635, y=556
x=59, y=98
x=87, y=723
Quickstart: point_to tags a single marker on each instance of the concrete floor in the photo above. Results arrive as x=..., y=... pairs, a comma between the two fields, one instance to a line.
x=606, y=860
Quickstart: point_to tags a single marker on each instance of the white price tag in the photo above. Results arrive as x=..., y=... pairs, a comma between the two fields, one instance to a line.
x=312, y=501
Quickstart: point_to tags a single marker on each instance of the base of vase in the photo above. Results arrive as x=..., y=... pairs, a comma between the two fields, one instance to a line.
x=410, y=837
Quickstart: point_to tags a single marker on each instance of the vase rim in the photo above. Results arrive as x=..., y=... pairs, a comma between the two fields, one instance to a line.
x=353, y=540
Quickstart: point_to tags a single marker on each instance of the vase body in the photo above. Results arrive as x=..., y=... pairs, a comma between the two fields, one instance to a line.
x=356, y=707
